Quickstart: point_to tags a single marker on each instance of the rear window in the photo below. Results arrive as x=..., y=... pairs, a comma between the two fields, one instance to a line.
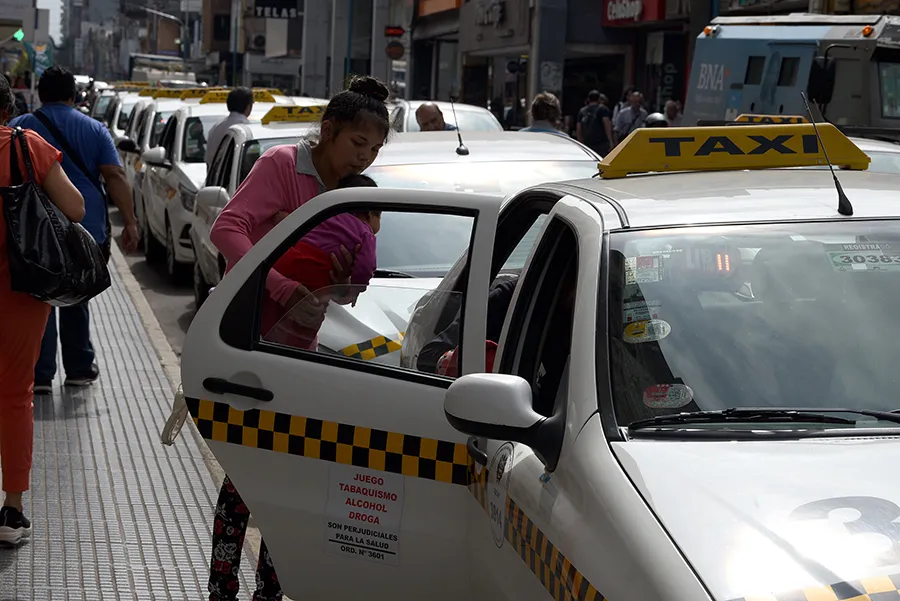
x=468, y=121
x=710, y=318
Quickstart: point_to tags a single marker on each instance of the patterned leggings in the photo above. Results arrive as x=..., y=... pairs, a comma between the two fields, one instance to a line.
x=228, y=541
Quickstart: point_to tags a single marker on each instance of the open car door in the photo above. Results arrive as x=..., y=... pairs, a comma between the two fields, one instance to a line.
x=349, y=466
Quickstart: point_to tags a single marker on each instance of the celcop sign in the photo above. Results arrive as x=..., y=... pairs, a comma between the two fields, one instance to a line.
x=622, y=13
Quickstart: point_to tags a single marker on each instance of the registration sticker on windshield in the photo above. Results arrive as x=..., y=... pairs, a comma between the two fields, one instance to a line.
x=643, y=270
x=668, y=396
x=646, y=331
x=640, y=311
x=864, y=256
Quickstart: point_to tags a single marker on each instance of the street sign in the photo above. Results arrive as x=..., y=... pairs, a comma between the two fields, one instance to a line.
x=394, y=50
x=393, y=31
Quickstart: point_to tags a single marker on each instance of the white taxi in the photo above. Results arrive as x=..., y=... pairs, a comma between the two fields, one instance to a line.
x=414, y=250
x=467, y=117
x=176, y=169
x=690, y=400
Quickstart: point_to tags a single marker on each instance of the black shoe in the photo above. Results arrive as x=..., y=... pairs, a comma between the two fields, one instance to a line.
x=85, y=380
x=41, y=387
x=13, y=526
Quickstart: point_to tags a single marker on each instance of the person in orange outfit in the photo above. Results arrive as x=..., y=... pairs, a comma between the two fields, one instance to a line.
x=23, y=322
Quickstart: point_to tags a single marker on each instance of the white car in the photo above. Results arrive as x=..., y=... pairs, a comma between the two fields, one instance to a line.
x=414, y=251
x=176, y=169
x=646, y=432
x=885, y=155
x=468, y=117
x=119, y=112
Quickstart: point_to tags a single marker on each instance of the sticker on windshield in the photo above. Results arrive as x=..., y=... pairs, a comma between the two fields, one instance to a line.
x=647, y=331
x=668, y=396
x=643, y=270
x=640, y=311
x=864, y=256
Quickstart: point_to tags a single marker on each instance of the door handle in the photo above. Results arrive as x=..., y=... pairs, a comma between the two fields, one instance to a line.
x=479, y=456
x=223, y=386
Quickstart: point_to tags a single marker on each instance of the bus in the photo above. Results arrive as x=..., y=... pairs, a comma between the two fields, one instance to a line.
x=156, y=68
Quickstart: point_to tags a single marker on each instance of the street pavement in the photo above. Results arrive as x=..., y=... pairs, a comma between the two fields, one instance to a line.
x=116, y=515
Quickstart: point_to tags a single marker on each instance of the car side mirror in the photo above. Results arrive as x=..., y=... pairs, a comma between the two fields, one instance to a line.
x=499, y=407
x=212, y=198
x=156, y=157
x=126, y=145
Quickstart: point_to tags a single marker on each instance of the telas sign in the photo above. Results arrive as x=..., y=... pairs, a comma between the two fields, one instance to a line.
x=274, y=12
x=490, y=13
x=624, y=10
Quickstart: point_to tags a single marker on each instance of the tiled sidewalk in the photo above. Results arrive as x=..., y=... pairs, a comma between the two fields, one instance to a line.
x=116, y=515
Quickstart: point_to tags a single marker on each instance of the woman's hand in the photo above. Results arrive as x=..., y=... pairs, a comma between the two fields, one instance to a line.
x=304, y=308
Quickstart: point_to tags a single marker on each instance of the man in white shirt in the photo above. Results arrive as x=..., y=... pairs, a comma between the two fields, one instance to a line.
x=673, y=115
x=240, y=103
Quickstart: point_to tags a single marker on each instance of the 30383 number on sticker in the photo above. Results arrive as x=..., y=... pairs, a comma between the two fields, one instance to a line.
x=863, y=257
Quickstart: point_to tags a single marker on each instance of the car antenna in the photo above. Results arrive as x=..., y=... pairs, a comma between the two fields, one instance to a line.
x=461, y=150
x=844, y=206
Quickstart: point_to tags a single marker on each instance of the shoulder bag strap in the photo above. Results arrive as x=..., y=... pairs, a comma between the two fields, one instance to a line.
x=26, y=155
x=14, y=171
x=67, y=149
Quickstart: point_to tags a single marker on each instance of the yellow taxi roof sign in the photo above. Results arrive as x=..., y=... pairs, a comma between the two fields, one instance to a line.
x=263, y=96
x=147, y=92
x=294, y=114
x=771, y=119
x=168, y=93
x=273, y=91
x=725, y=148
x=214, y=97
x=191, y=93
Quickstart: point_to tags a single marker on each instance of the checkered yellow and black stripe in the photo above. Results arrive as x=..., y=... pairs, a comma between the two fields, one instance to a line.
x=371, y=349
x=556, y=573
x=879, y=588
x=330, y=441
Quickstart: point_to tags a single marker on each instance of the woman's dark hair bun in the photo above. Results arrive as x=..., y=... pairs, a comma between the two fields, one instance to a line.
x=369, y=86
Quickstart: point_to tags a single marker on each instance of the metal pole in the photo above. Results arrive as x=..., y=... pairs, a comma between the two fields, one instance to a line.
x=349, y=41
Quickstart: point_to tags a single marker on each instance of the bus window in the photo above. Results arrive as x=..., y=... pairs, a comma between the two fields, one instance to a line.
x=788, y=74
x=889, y=78
x=755, y=66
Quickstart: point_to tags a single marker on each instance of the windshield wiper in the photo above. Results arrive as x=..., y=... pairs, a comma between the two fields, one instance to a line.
x=392, y=273
x=764, y=415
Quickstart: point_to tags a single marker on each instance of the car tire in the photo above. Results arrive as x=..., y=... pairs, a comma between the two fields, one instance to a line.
x=201, y=287
x=174, y=269
x=154, y=252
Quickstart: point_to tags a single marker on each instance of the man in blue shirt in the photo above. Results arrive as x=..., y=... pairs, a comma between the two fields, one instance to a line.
x=96, y=154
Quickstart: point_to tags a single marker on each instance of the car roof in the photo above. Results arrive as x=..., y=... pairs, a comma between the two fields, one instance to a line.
x=418, y=148
x=446, y=106
x=258, y=131
x=703, y=197
x=867, y=144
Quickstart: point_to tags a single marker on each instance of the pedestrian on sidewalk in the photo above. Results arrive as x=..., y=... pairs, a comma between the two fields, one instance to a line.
x=24, y=320
x=546, y=114
x=593, y=126
x=68, y=129
x=354, y=127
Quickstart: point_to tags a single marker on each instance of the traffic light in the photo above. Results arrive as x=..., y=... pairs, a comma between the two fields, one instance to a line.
x=19, y=35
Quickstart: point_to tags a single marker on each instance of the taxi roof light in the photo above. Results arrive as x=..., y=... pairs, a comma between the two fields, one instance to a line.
x=770, y=119
x=724, y=148
x=221, y=95
x=287, y=113
x=867, y=31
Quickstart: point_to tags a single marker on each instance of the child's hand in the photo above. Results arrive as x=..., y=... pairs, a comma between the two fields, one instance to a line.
x=280, y=216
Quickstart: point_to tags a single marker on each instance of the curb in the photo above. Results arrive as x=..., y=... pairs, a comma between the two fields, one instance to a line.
x=171, y=365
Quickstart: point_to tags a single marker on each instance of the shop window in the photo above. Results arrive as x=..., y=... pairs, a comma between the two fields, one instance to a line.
x=755, y=66
x=787, y=76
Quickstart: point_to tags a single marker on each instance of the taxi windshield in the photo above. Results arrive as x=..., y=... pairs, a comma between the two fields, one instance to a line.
x=754, y=316
x=466, y=120
x=889, y=77
x=498, y=178
x=196, y=129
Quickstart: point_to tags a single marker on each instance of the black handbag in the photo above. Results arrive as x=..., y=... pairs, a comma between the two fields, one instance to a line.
x=67, y=149
x=50, y=258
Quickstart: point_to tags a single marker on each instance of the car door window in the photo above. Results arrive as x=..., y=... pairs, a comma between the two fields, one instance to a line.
x=539, y=330
x=212, y=176
x=167, y=140
x=227, y=167
x=362, y=323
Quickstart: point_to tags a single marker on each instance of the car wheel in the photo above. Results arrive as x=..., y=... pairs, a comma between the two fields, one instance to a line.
x=201, y=287
x=174, y=269
x=153, y=250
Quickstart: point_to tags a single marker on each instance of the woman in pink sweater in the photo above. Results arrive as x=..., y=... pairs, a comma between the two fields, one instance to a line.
x=354, y=127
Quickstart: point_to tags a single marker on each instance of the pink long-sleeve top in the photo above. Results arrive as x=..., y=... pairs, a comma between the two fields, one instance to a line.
x=282, y=179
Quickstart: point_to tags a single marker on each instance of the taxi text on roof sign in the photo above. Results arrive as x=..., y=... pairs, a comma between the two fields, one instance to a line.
x=148, y=92
x=294, y=114
x=192, y=93
x=771, y=119
x=217, y=96
x=726, y=148
x=168, y=93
